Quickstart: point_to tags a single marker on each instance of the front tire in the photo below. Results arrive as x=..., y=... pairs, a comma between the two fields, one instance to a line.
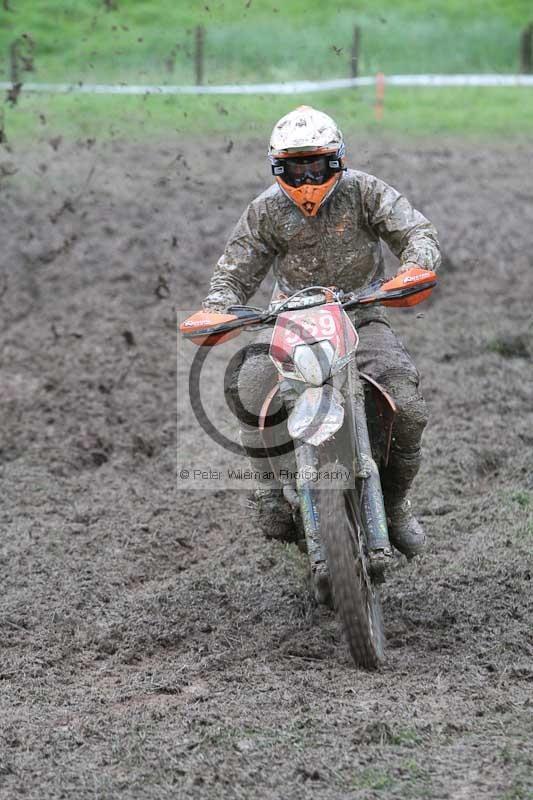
x=355, y=598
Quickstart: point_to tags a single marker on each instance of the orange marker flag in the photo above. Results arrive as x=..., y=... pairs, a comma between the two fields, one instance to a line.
x=380, y=96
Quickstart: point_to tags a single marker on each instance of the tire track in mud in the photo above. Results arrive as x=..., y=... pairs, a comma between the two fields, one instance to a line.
x=153, y=645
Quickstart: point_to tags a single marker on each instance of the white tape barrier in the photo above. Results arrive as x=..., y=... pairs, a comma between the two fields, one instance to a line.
x=293, y=87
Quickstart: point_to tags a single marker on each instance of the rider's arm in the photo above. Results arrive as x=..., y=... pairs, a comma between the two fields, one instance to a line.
x=247, y=257
x=410, y=236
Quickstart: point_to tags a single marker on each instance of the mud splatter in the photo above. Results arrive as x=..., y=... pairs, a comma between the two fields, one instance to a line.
x=157, y=640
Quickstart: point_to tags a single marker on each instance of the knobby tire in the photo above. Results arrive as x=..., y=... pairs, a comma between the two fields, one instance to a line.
x=356, y=600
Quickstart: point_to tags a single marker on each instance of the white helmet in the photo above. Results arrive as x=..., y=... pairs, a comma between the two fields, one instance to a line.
x=305, y=130
x=306, y=152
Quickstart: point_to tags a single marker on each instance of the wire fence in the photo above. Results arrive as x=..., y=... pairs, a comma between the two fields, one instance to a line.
x=203, y=51
x=289, y=87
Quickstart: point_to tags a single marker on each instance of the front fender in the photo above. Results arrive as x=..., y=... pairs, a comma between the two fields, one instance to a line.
x=317, y=414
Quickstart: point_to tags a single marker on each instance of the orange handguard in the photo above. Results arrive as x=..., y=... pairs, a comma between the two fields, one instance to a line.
x=200, y=328
x=410, y=287
x=411, y=278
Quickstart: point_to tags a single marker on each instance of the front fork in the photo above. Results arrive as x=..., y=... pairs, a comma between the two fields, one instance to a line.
x=303, y=501
x=306, y=473
x=307, y=465
x=365, y=468
x=365, y=472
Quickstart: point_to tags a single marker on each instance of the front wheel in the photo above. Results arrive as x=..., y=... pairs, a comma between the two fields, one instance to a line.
x=356, y=599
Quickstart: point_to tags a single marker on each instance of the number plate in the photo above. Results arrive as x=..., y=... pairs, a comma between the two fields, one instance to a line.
x=329, y=322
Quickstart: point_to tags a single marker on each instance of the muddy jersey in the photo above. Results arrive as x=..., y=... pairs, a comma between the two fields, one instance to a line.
x=340, y=247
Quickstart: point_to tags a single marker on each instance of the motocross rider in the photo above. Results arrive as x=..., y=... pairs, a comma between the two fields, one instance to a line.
x=321, y=224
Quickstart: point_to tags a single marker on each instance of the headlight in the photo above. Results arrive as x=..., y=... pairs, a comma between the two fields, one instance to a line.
x=314, y=361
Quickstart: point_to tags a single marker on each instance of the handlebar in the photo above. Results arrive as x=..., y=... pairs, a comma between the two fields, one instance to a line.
x=406, y=289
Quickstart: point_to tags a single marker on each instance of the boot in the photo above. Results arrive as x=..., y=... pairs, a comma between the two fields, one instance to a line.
x=405, y=532
x=274, y=515
x=321, y=584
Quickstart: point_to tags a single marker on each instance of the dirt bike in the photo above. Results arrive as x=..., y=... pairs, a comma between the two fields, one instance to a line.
x=339, y=424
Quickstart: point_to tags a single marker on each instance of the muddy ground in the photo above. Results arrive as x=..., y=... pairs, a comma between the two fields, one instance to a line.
x=152, y=645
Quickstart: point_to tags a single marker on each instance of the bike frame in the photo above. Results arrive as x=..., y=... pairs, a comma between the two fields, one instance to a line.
x=298, y=333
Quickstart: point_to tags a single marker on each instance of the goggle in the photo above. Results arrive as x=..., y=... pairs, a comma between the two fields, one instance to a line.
x=312, y=169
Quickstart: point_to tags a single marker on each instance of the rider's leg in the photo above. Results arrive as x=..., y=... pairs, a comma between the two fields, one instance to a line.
x=382, y=356
x=246, y=387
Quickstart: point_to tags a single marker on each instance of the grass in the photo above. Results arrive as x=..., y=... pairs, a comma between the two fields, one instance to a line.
x=139, y=41
x=522, y=497
x=517, y=792
x=373, y=778
x=410, y=112
x=515, y=345
x=409, y=780
x=263, y=40
x=406, y=737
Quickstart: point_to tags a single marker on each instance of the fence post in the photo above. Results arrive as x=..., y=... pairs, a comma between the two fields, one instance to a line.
x=199, y=40
x=170, y=60
x=526, y=50
x=14, y=62
x=354, y=60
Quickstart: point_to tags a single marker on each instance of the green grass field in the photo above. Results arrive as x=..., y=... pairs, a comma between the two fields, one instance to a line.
x=247, y=41
x=502, y=113
x=150, y=41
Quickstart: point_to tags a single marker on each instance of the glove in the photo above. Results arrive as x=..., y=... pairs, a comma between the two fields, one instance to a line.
x=408, y=265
